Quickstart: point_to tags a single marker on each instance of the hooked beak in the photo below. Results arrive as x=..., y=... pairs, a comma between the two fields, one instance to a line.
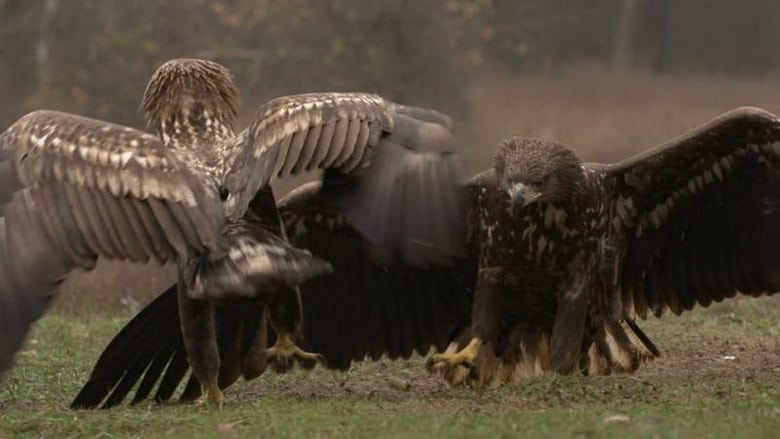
x=521, y=196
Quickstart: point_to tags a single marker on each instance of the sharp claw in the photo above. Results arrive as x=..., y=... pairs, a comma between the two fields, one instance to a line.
x=465, y=357
x=284, y=354
x=213, y=395
x=452, y=366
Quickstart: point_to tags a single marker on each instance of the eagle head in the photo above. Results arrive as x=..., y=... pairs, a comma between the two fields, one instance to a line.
x=194, y=91
x=536, y=171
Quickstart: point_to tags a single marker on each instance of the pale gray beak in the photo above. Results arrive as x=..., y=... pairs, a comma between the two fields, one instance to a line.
x=522, y=196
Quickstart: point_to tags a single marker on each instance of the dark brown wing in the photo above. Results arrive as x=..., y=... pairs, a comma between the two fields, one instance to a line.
x=395, y=167
x=150, y=350
x=74, y=189
x=698, y=219
x=368, y=308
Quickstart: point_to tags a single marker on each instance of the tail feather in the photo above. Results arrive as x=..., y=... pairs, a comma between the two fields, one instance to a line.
x=155, y=370
x=174, y=374
x=150, y=348
x=137, y=339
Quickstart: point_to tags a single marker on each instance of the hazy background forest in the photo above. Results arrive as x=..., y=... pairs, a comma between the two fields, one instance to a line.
x=607, y=77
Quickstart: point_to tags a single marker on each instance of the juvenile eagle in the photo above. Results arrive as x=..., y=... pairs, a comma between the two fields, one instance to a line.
x=561, y=257
x=74, y=189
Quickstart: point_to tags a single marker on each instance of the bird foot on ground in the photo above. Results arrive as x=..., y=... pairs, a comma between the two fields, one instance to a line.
x=285, y=353
x=456, y=368
x=212, y=396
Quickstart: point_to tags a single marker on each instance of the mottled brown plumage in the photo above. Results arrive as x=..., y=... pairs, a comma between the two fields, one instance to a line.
x=570, y=254
x=75, y=189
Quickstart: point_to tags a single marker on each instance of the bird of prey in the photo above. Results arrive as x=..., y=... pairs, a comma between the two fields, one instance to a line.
x=568, y=251
x=74, y=189
x=561, y=258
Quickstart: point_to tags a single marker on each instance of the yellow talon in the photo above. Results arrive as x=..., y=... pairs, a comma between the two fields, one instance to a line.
x=285, y=351
x=213, y=395
x=464, y=357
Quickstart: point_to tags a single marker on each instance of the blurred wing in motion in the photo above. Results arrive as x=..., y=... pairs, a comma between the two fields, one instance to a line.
x=390, y=169
x=368, y=308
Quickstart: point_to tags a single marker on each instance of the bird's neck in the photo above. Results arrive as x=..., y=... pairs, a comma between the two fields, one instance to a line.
x=199, y=135
x=194, y=128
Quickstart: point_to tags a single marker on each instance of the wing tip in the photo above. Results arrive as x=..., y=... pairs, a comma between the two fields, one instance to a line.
x=428, y=115
x=750, y=111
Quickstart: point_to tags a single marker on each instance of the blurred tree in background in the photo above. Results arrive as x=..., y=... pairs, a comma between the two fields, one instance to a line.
x=95, y=56
x=608, y=77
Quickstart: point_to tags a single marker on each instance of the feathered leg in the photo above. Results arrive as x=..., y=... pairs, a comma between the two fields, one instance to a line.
x=200, y=338
x=286, y=312
x=488, y=301
x=569, y=328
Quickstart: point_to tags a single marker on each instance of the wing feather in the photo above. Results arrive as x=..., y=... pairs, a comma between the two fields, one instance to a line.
x=284, y=148
x=162, y=248
x=296, y=148
x=170, y=228
x=54, y=231
x=361, y=146
x=350, y=147
x=107, y=224
x=309, y=149
x=323, y=145
x=387, y=304
x=82, y=218
x=706, y=217
x=125, y=232
x=139, y=235
x=337, y=144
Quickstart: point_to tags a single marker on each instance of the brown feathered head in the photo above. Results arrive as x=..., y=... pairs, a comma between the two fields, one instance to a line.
x=534, y=171
x=192, y=92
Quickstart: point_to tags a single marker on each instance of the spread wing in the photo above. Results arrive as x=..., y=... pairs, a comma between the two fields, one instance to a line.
x=73, y=189
x=698, y=218
x=363, y=309
x=390, y=169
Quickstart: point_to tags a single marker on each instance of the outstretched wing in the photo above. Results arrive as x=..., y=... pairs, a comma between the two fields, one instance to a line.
x=73, y=189
x=364, y=309
x=698, y=219
x=391, y=169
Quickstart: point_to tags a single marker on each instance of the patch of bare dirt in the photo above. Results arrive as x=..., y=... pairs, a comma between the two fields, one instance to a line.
x=712, y=354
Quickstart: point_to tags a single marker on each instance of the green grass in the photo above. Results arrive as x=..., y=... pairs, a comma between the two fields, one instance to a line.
x=695, y=390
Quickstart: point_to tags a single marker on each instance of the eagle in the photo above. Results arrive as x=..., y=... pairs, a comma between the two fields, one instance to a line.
x=561, y=259
x=197, y=194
